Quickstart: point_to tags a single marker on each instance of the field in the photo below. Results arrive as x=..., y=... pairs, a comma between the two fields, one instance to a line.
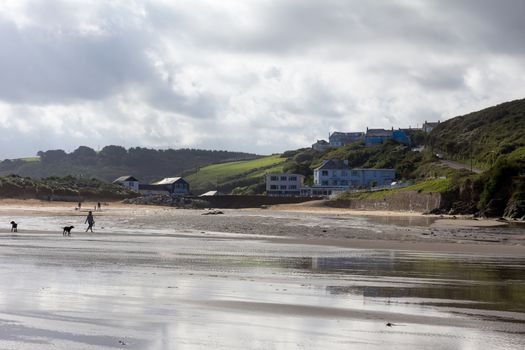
x=213, y=176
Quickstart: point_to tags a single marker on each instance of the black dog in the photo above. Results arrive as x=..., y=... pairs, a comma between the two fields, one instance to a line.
x=14, y=226
x=67, y=230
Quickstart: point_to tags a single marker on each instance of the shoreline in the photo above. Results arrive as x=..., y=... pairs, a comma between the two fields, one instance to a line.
x=292, y=224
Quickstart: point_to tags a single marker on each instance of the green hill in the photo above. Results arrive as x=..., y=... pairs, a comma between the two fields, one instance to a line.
x=114, y=161
x=485, y=135
x=494, y=137
x=230, y=175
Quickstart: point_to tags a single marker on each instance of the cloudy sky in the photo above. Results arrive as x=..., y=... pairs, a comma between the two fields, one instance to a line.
x=259, y=76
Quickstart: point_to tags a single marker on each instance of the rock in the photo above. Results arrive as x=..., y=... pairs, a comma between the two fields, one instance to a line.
x=494, y=208
x=213, y=212
x=515, y=210
x=462, y=207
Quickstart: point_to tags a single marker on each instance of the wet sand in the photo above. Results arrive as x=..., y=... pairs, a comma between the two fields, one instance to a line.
x=161, y=278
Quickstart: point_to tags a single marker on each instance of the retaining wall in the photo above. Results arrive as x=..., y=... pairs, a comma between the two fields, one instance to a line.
x=401, y=201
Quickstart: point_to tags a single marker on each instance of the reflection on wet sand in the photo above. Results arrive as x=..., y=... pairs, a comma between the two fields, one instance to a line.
x=170, y=290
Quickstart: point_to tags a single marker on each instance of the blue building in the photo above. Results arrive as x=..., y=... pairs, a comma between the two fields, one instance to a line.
x=380, y=136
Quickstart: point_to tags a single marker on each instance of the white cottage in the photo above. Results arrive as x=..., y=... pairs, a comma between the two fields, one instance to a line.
x=284, y=184
x=128, y=182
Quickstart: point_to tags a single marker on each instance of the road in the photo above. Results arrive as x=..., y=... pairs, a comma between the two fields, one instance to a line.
x=456, y=165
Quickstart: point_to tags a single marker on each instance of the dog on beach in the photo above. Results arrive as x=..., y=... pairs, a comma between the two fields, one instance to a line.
x=14, y=226
x=67, y=230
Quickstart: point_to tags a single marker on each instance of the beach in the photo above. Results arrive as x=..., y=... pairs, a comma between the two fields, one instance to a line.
x=280, y=278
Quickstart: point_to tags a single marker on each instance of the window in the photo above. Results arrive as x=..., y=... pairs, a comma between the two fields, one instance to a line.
x=293, y=178
x=283, y=187
x=354, y=173
x=273, y=187
x=344, y=183
x=324, y=183
x=283, y=178
x=324, y=173
x=274, y=178
x=293, y=187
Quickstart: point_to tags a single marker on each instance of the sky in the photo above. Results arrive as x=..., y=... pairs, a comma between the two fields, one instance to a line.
x=259, y=76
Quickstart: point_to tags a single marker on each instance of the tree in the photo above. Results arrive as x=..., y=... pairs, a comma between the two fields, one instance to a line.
x=52, y=156
x=113, y=155
x=84, y=155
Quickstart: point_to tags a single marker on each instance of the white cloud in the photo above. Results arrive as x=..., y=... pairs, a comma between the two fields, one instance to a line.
x=257, y=76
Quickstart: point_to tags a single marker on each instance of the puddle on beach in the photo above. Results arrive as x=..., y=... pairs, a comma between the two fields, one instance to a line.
x=403, y=221
x=174, y=292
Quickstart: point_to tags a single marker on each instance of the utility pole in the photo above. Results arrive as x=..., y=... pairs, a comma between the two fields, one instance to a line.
x=471, y=151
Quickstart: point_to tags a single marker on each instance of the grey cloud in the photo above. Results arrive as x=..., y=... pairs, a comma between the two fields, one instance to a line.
x=306, y=66
x=296, y=26
x=42, y=68
x=318, y=99
x=486, y=25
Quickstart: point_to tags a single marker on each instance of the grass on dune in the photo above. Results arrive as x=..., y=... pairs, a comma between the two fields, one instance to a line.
x=220, y=172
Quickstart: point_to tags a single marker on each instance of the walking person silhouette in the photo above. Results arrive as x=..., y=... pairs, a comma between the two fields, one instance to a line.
x=90, y=221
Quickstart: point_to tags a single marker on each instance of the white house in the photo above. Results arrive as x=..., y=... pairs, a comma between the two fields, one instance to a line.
x=128, y=182
x=175, y=185
x=429, y=126
x=337, y=173
x=284, y=184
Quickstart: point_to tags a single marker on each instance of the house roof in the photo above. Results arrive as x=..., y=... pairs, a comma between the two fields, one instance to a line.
x=347, y=134
x=169, y=181
x=334, y=164
x=322, y=142
x=210, y=193
x=125, y=178
x=378, y=133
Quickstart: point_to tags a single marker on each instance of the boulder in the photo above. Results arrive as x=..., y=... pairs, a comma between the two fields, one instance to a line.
x=515, y=210
x=494, y=208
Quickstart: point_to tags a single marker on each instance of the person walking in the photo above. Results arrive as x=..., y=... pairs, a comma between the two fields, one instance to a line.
x=90, y=221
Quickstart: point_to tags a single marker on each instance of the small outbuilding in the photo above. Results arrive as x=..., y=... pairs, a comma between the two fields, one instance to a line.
x=176, y=186
x=128, y=181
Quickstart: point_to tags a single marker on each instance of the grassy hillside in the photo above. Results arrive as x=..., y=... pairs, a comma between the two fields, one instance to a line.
x=485, y=135
x=114, y=161
x=227, y=176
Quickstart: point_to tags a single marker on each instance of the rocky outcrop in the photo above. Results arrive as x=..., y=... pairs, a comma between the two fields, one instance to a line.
x=515, y=210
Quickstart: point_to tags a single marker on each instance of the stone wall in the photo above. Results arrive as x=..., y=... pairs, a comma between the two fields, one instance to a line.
x=401, y=201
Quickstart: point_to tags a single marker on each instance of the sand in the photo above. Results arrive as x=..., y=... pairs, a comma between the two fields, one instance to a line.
x=163, y=278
